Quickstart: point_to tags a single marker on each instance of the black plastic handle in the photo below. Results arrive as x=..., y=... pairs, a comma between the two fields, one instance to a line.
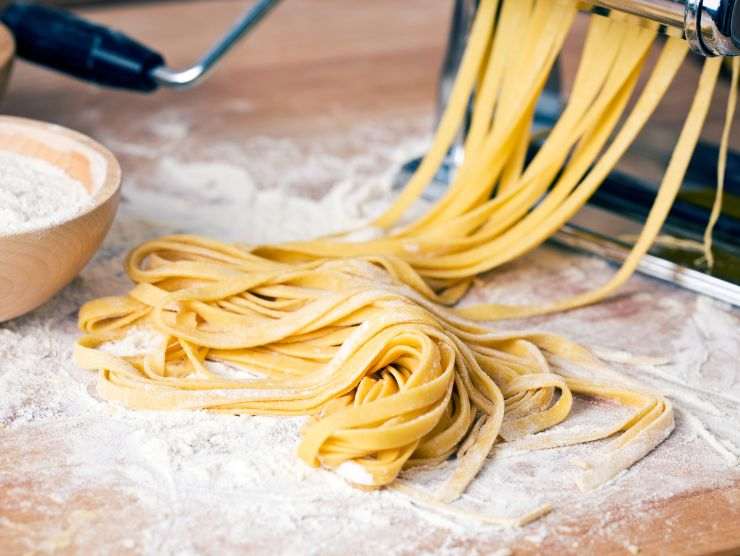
x=62, y=41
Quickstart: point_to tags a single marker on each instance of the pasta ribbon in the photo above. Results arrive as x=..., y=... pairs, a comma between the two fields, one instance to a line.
x=362, y=337
x=388, y=377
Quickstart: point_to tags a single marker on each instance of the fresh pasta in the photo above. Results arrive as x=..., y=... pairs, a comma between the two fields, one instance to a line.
x=363, y=336
x=389, y=378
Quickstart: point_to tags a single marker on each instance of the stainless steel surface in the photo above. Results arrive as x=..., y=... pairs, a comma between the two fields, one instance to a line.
x=651, y=265
x=691, y=24
x=462, y=19
x=168, y=77
x=664, y=12
x=712, y=27
x=463, y=12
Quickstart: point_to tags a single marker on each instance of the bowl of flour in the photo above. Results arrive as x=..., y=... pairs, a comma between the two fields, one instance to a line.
x=59, y=193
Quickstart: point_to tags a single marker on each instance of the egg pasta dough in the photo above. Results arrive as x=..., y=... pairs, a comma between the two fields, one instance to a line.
x=363, y=337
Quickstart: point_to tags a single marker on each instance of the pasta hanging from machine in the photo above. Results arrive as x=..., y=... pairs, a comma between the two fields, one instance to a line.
x=497, y=207
x=361, y=335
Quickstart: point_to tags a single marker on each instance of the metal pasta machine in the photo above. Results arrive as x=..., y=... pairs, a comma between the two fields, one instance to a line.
x=60, y=40
x=607, y=226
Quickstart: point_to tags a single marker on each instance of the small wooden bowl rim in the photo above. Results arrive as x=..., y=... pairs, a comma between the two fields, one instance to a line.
x=7, y=46
x=111, y=181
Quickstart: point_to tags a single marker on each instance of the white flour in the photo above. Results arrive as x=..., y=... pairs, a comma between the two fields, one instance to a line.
x=80, y=473
x=35, y=194
x=138, y=340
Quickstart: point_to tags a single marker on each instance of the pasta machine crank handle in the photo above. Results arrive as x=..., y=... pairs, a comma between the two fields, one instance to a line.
x=65, y=42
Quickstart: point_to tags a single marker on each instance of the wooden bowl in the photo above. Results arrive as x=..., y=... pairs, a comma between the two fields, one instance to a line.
x=35, y=265
x=7, y=51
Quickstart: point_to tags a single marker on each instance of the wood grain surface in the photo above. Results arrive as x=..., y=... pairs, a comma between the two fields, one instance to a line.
x=318, y=65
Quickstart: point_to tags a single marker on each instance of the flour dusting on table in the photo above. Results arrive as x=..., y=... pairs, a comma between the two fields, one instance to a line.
x=194, y=482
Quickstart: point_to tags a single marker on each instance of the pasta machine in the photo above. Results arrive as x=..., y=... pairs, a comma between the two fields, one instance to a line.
x=613, y=215
x=63, y=41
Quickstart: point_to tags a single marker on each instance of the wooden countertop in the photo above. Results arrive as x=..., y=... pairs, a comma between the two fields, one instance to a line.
x=315, y=67
x=318, y=63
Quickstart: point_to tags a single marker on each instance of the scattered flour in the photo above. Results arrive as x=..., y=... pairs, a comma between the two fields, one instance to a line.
x=80, y=474
x=35, y=194
x=355, y=473
x=138, y=340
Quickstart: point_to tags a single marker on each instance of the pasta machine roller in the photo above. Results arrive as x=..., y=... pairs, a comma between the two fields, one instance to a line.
x=712, y=28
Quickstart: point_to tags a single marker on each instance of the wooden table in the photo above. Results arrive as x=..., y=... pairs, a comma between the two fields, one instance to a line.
x=314, y=67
